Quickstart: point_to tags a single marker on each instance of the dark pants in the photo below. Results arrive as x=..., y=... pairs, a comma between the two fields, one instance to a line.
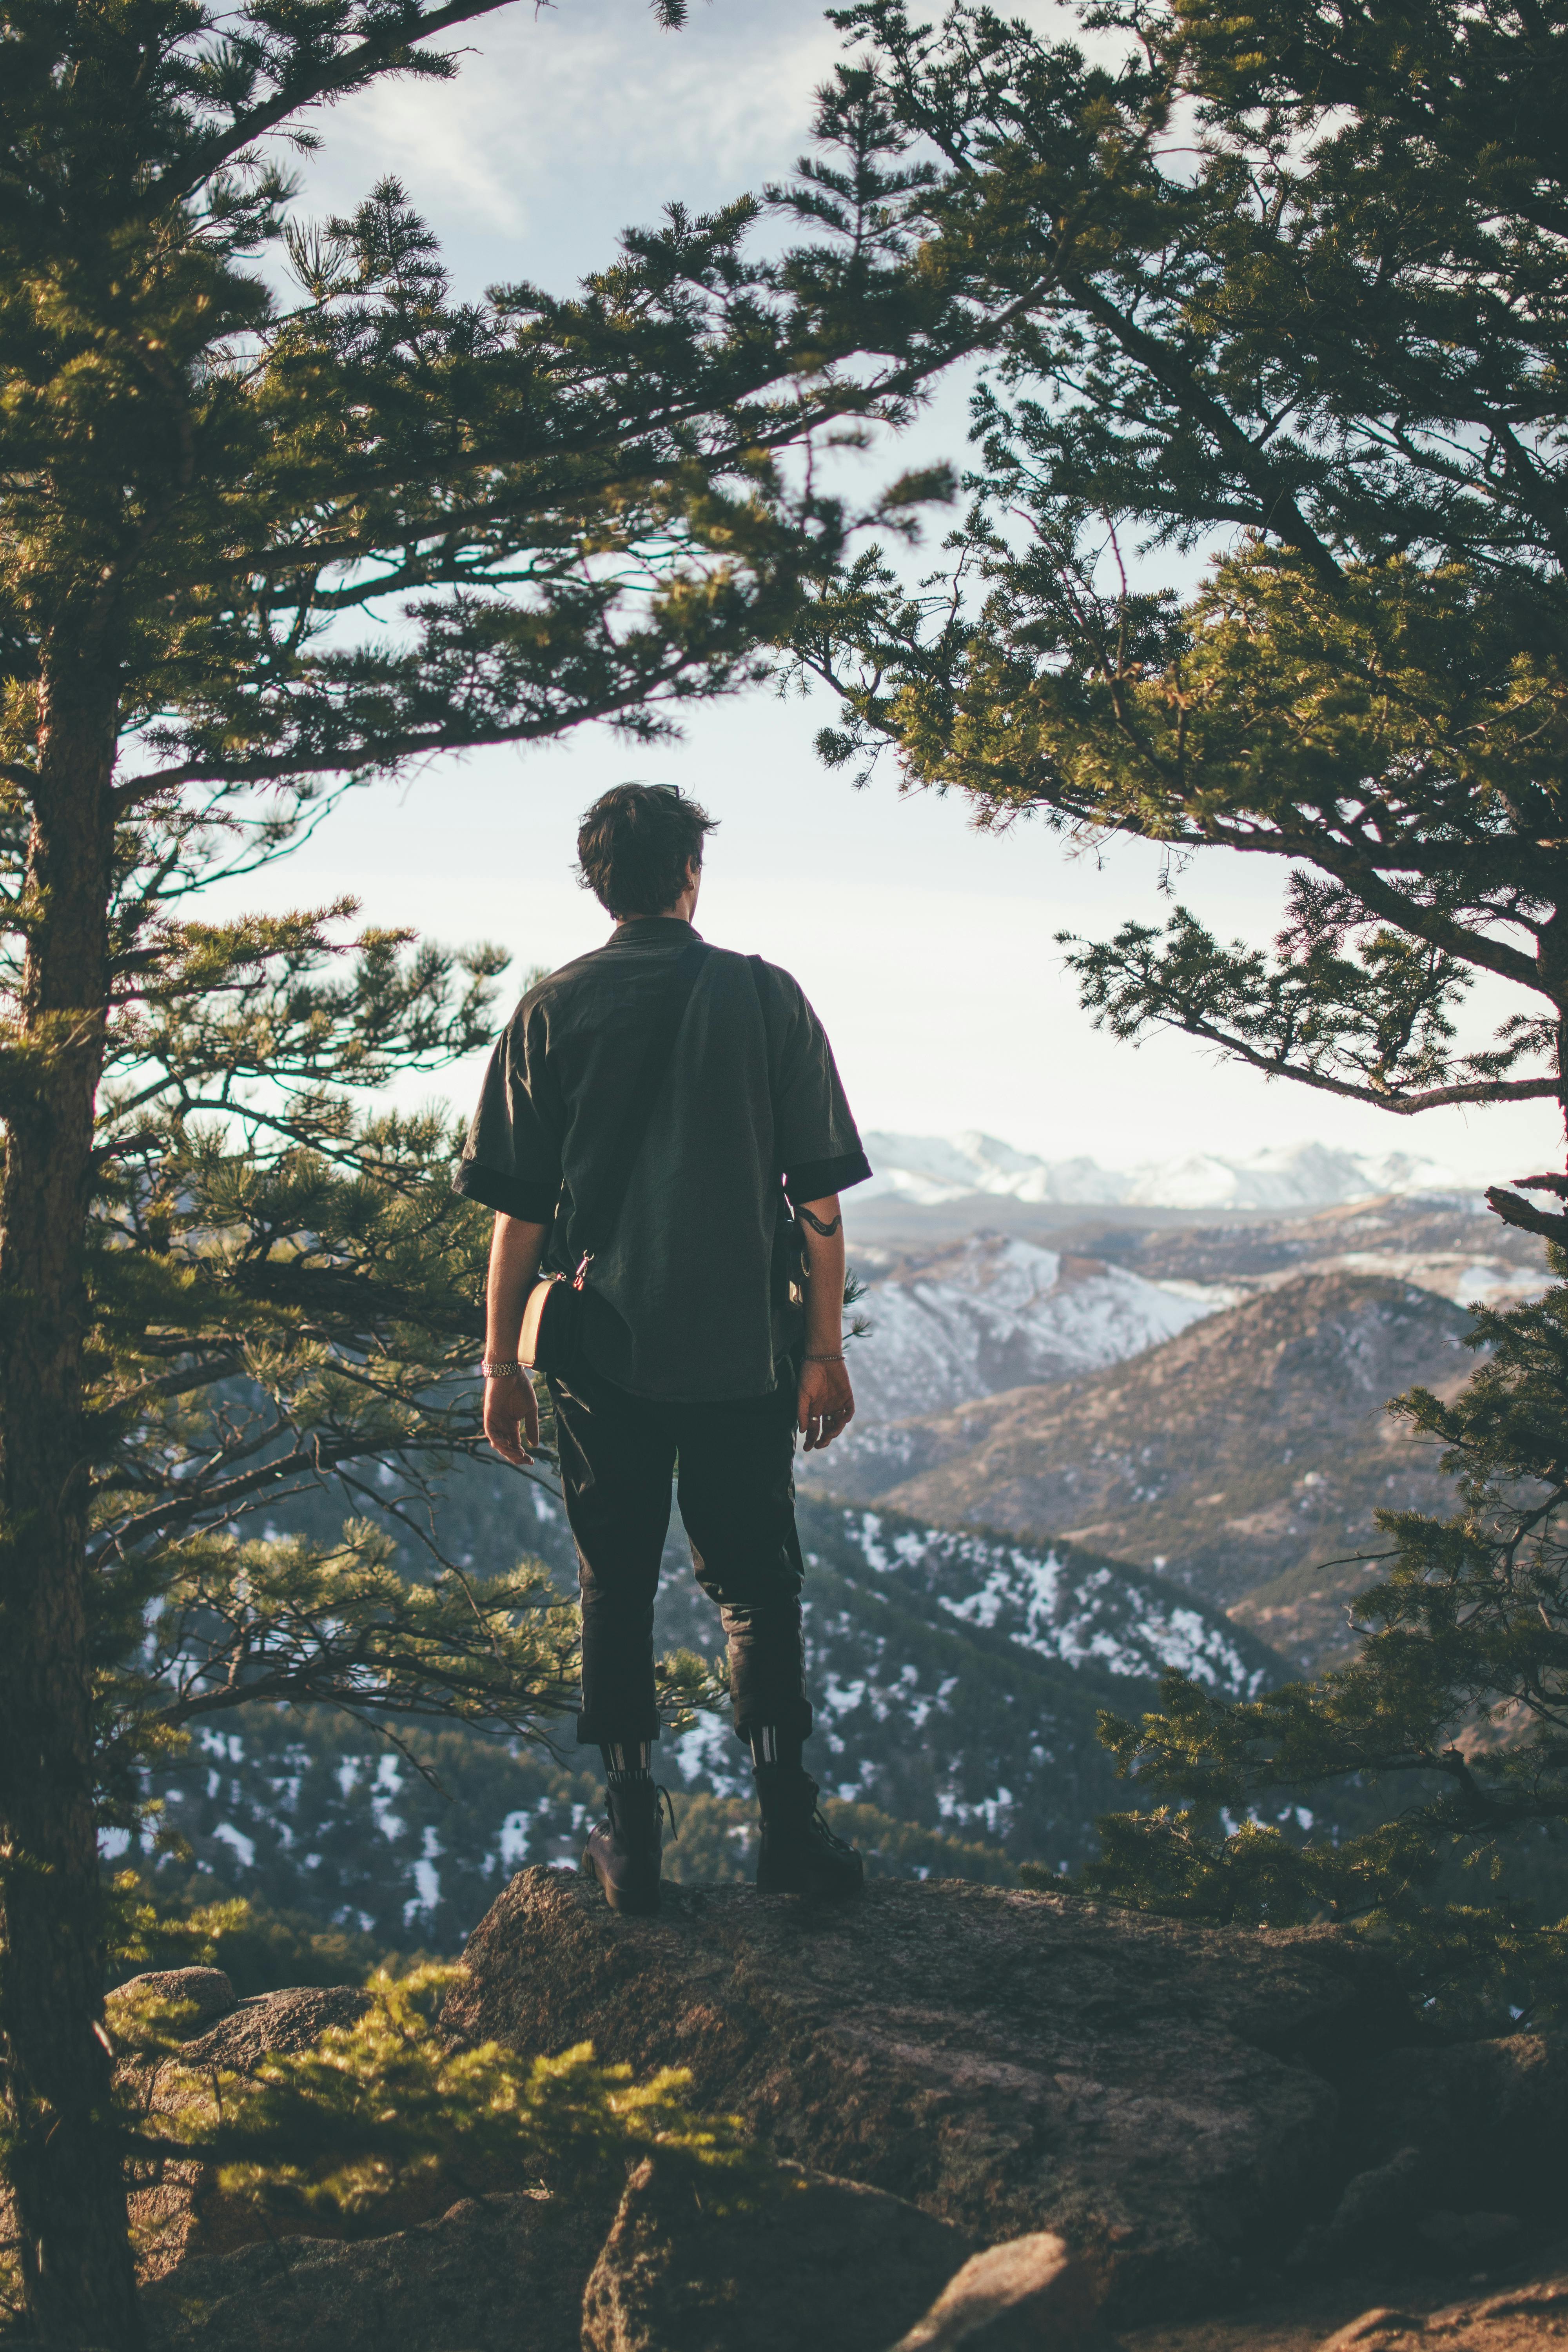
x=734, y=1469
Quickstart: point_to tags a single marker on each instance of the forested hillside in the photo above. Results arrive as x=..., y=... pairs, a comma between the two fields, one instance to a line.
x=1239, y=1456
x=957, y=1680
x=985, y=1580
x=1236, y=1458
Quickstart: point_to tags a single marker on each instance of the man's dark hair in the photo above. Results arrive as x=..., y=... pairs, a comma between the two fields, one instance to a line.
x=635, y=846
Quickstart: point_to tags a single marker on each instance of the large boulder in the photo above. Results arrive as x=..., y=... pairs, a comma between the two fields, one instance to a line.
x=176, y=2208
x=1490, y=2117
x=1010, y=2061
x=1461, y=2154
x=492, y=2274
x=808, y=2261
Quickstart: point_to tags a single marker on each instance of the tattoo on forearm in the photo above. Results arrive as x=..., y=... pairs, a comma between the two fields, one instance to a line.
x=817, y=1226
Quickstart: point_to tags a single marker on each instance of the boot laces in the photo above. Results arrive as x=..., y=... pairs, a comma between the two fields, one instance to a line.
x=663, y=1801
x=823, y=1828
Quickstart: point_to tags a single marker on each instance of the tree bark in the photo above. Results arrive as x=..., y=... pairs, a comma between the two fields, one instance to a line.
x=63, y=2163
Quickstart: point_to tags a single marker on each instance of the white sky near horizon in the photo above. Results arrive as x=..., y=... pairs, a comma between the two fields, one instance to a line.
x=928, y=948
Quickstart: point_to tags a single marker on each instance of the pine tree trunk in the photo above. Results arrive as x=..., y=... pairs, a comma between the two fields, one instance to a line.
x=64, y=2169
x=1554, y=962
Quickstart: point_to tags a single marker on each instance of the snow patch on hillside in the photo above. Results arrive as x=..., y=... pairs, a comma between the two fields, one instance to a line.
x=995, y=1313
x=1102, y=1616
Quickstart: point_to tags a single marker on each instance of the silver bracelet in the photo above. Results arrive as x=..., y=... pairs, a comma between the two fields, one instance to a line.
x=501, y=1372
x=824, y=1359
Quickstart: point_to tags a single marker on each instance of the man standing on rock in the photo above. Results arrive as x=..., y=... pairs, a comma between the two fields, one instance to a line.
x=647, y=1112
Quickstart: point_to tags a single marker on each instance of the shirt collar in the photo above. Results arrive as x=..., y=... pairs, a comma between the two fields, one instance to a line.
x=644, y=928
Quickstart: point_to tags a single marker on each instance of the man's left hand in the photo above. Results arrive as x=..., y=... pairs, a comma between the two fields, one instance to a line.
x=826, y=1404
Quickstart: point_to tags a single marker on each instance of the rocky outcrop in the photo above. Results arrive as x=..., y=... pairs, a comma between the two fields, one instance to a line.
x=493, y=2275
x=202, y=1995
x=1009, y=2061
x=996, y=2113
x=1456, y=2148
x=273, y=2023
x=813, y=2261
x=1526, y=2318
x=175, y=2206
x=1484, y=2115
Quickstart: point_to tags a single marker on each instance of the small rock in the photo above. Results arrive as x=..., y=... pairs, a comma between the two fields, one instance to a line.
x=1373, y=2201
x=1019, y=2297
x=818, y=2263
x=1374, y=2205
x=207, y=1992
x=1381, y=2327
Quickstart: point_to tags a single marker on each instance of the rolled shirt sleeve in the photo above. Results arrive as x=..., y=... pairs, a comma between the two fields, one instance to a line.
x=815, y=1136
x=511, y=1158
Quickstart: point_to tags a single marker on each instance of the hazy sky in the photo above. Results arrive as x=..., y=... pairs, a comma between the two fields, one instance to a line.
x=927, y=948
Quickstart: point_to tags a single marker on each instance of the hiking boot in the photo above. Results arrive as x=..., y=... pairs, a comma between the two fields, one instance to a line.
x=622, y=1854
x=800, y=1855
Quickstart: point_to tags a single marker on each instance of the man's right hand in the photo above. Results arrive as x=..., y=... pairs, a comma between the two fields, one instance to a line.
x=511, y=1417
x=825, y=1403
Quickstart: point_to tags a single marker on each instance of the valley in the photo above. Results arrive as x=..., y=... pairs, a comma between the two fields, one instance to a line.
x=1094, y=1443
x=1226, y=1430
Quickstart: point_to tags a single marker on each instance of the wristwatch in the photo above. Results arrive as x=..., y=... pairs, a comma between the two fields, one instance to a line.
x=501, y=1371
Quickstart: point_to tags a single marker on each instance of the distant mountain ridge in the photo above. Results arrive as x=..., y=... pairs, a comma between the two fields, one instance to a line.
x=927, y=1168
x=1238, y=1459
x=956, y=1320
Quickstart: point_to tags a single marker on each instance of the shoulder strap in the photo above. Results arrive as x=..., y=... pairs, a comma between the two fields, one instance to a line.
x=758, y=966
x=601, y=1206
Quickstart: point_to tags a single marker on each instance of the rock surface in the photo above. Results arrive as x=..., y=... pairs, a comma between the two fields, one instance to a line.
x=493, y=2275
x=1454, y=2146
x=1025, y=2293
x=1010, y=2061
x=177, y=2208
x=1488, y=2117
x=1523, y=2319
x=272, y=2022
x=205, y=1992
x=828, y=2265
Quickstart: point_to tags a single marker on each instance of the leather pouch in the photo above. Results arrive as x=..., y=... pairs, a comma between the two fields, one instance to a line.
x=551, y=1335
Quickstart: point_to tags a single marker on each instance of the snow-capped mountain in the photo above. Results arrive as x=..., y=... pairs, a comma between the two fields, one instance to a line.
x=992, y=1313
x=927, y=1170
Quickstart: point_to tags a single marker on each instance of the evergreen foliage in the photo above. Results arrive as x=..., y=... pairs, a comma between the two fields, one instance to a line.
x=333, y=2134
x=1454, y=1707
x=279, y=513
x=1285, y=288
